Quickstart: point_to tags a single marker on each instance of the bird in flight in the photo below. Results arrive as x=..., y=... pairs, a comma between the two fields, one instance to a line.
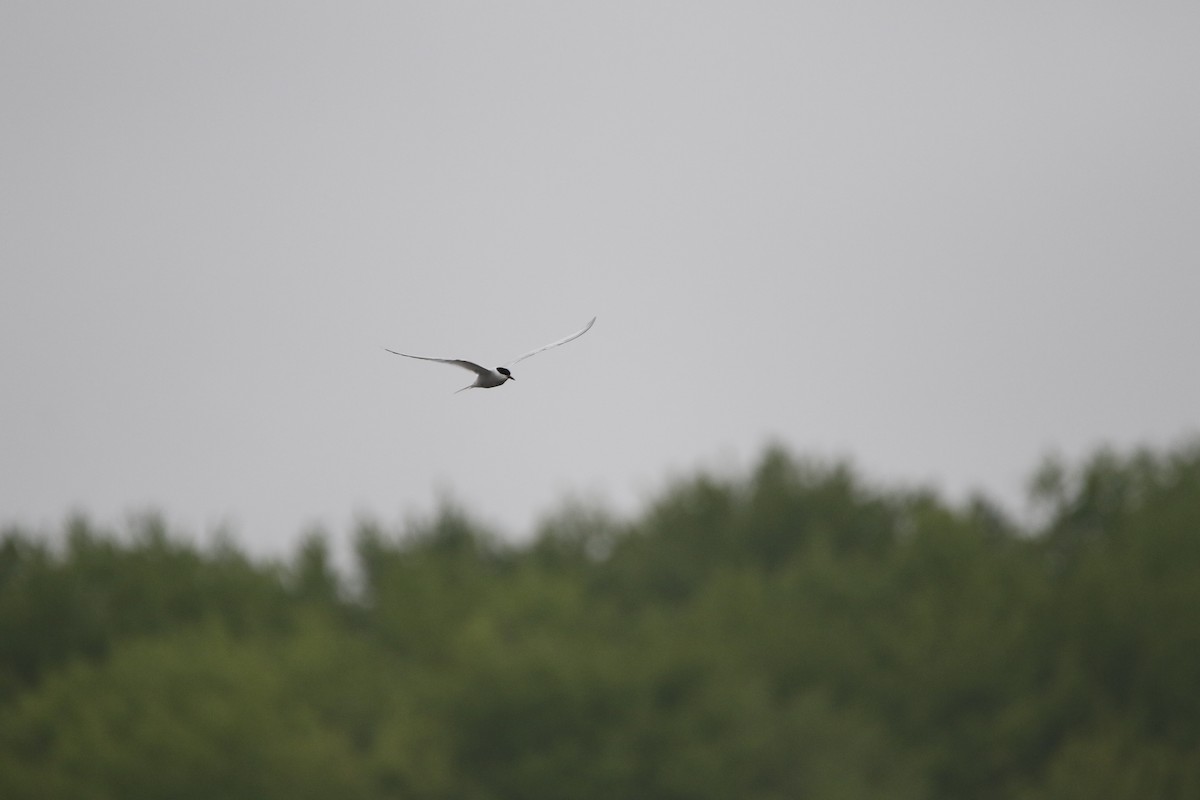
x=489, y=378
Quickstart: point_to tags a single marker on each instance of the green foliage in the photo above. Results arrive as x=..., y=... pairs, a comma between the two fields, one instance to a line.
x=77, y=600
x=194, y=715
x=790, y=633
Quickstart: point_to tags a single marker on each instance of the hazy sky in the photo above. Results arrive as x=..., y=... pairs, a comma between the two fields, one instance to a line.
x=938, y=238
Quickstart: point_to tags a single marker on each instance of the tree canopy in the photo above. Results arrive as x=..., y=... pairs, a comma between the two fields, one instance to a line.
x=793, y=632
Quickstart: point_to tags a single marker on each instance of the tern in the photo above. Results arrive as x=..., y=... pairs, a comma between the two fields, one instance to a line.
x=491, y=378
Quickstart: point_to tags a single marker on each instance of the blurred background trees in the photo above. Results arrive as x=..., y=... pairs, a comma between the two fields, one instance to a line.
x=792, y=633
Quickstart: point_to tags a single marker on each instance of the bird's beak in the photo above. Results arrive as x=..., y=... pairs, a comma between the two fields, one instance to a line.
x=511, y=378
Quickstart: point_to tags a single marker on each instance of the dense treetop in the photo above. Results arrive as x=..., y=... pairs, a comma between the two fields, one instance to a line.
x=795, y=632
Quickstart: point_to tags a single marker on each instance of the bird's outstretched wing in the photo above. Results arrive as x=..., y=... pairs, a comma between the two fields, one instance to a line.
x=458, y=362
x=575, y=335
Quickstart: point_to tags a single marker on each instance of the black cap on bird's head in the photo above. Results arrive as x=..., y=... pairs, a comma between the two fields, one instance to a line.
x=504, y=371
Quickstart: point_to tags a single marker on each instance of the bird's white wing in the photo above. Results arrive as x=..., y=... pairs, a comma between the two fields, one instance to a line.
x=575, y=335
x=458, y=362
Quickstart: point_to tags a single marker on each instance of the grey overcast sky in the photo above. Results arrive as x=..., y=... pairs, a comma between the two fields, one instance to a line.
x=938, y=238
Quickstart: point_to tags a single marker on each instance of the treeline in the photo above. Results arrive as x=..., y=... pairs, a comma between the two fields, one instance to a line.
x=791, y=633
